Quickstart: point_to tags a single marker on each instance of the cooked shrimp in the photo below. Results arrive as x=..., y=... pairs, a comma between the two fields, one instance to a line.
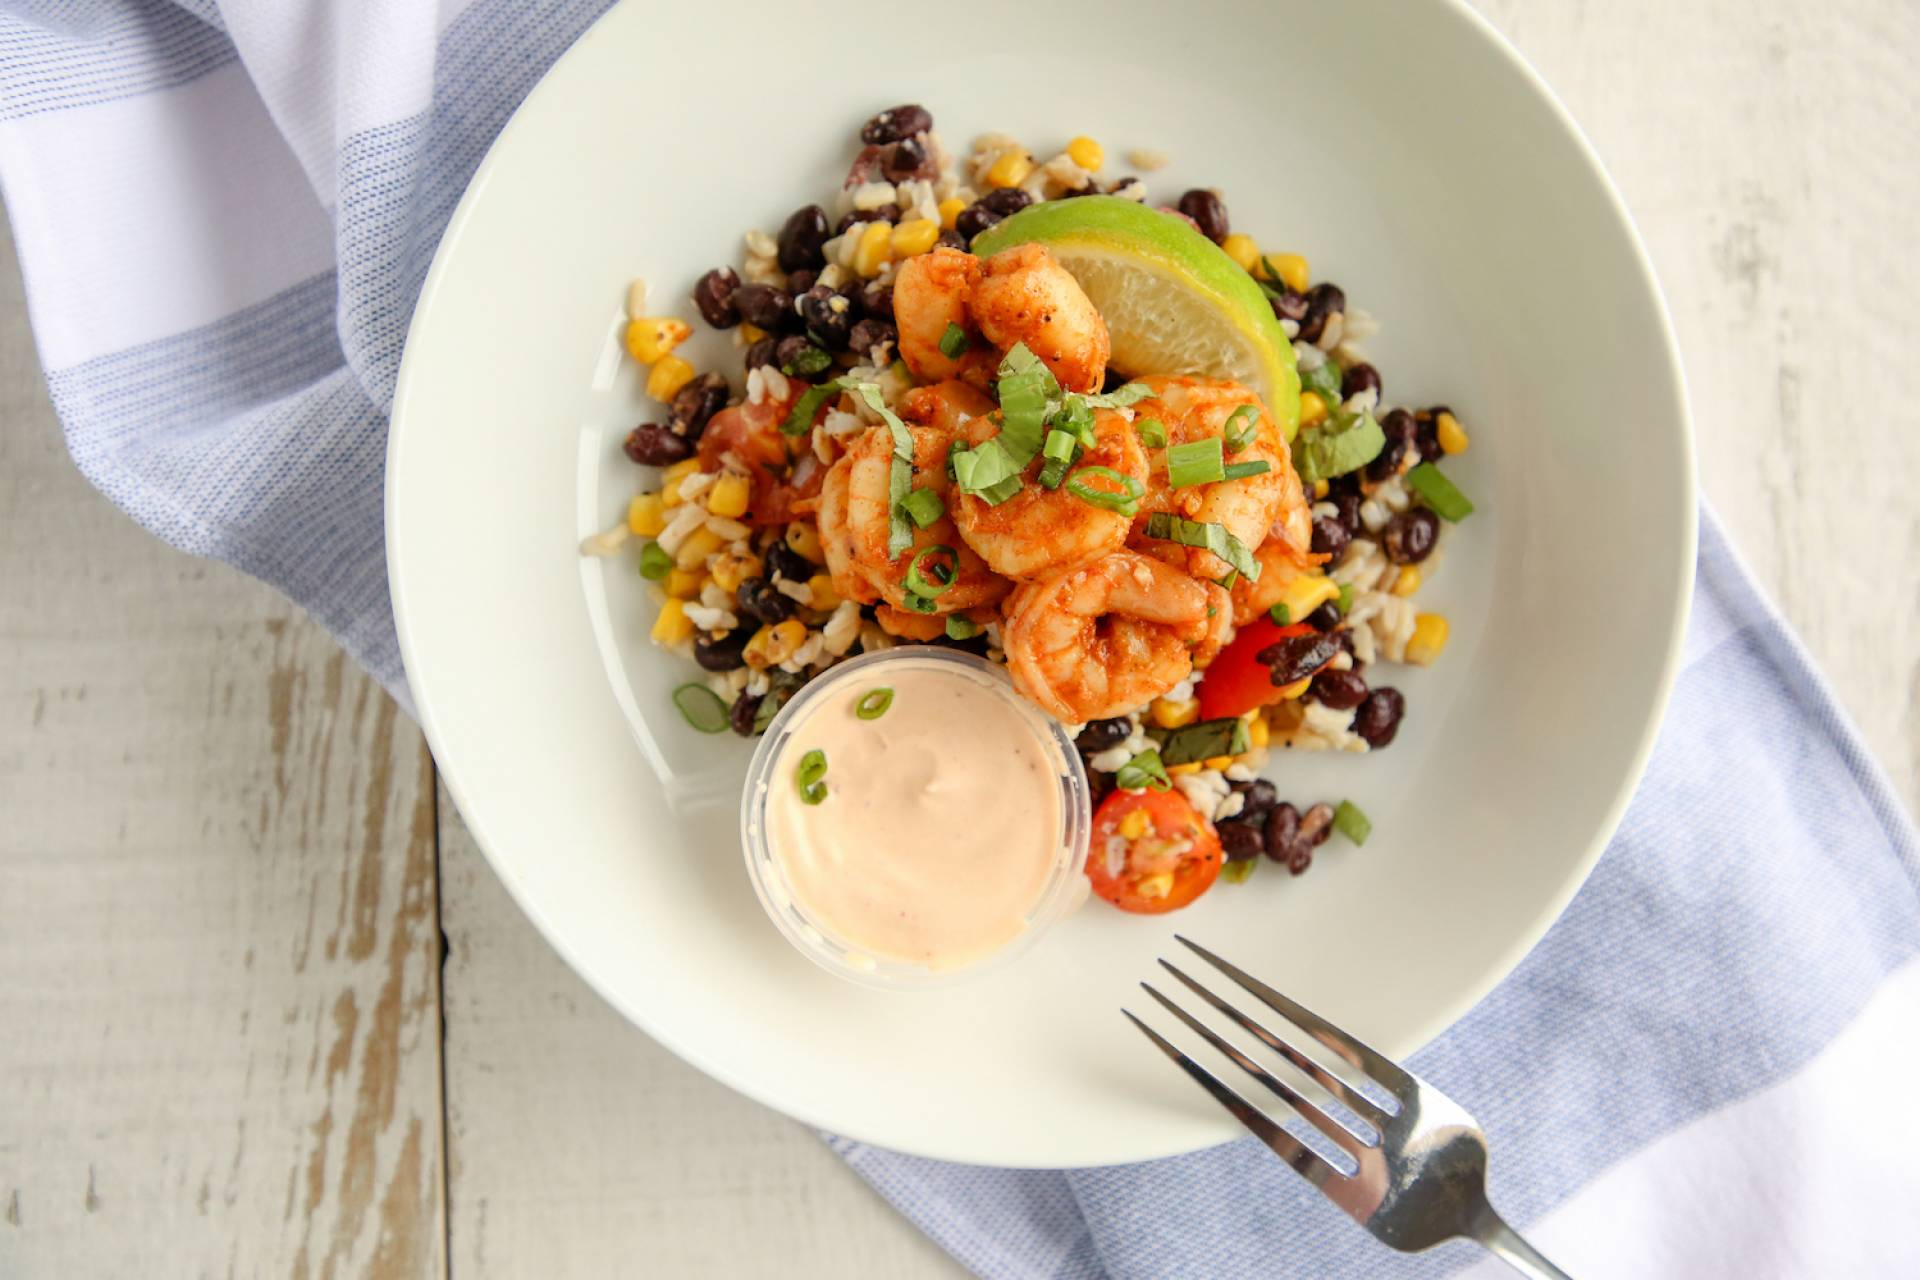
x=948, y=405
x=1018, y=295
x=1198, y=408
x=869, y=505
x=1041, y=531
x=1108, y=637
x=1279, y=565
x=831, y=515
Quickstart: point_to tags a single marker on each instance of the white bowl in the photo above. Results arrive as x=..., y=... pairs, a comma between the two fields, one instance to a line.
x=1401, y=146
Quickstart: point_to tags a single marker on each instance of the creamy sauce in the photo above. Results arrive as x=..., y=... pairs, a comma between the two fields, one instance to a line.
x=941, y=822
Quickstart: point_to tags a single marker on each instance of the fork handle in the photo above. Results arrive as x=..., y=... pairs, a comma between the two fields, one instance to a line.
x=1506, y=1244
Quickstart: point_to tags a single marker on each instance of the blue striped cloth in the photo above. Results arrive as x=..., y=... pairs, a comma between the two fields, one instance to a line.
x=223, y=233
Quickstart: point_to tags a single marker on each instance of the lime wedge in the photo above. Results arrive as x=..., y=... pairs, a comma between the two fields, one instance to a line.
x=1173, y=301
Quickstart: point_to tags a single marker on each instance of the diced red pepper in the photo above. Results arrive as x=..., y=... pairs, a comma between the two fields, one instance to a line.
x=1237, y=682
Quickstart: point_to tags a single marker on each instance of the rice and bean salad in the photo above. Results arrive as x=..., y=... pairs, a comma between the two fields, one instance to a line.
x=724, y=523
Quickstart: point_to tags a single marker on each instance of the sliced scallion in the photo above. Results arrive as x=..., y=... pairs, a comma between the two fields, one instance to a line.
x=1126, y=500
x=1075, y=418
x=1025, y=387
x=960, y=628
x=1237, y=871
x=1205, y=739
x=923, y=507
x=1052, y=474
x=1439, y=493
x=701, y=706
x=1344, y=601
x=1243, y=424
x=1195, y=462
x=874, y=703
x=810, y=776
x=1242, y=470
x=1060, y=446
x=1351, y=823
x=654, y=562
x=938, y=578
x=1282, y=615
x=1143, y=771
x=954, y=342
x=1152, y=432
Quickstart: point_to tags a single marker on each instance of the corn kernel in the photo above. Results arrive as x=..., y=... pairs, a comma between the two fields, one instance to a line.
x=730, y=570
x=803, y=539
x=1288, y=692
x=1408, y=580
x=1182, y=770
x=685, y=584
x=681, y=469
x=773, y=645
x=915, y=236
x=646, y=515
x=1428, y=639
x=1010, y=168
x=1258, y=734
x=824, y=596
x=1087, y=153
x=1242, y=250
x=1134, y=825
x=1321, y=489
x=1154, y=886
x=673, y=626
x=1306, y=592
x=651, y=337
x=728, y=496
x=700, y=544
x=751, y=333
x=950, y=211
x=1452, y=436
x=1219, y=764
x=1171, y=715
x=874, y=249
x=1312, y=408
x=670, y=373
x=1291, y=266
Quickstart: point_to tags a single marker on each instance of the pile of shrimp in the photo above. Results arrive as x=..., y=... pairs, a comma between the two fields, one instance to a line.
x=1097, y=619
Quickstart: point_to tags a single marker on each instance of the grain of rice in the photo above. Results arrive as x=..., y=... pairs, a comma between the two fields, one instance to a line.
x=839, y=423
x=1324, y=728
x=873, y=639
x=728, y=528
x=758, y=683
x=1111, y=760
x=1359, y=324
x=680, y=527
x=761, y=245
x=869, y=196
x=1320, y=509
x=842, y=629
x=799, y=592
x=637, y=299
x=1237, y=772
x=1291, y=328
x=1182, y=692
x=822, y=446
x=775, y=382
x=757, y=384
x=833, y=275
x=806, y=655
x=1393, y=495
x=1330, y=335
x=1374, y=514
x=764, y=271
x=1146, y=159
x=1362, y=401
x=1204, y=790
x=696, y=484
x=1231, y=806
x=606, y=542
x=721, y=686
x=1308, y=357
x=1132, y=189
x=715, y=596
x=711, y=619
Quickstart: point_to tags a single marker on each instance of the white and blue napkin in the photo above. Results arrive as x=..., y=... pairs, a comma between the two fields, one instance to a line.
x=224, y=212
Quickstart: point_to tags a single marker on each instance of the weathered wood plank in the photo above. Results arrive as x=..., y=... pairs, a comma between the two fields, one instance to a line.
x=218, y=928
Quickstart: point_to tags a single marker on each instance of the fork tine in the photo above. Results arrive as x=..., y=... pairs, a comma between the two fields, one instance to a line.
x=1362, y=1106
x=1348, y=1142
x=1283, y=1144
x=1377, y=1065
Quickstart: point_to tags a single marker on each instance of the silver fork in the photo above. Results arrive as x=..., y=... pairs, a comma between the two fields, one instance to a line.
x=1422, y=1161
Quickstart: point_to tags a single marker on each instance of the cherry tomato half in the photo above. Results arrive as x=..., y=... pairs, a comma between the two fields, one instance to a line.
x=1152, y=851
x=1237, y=681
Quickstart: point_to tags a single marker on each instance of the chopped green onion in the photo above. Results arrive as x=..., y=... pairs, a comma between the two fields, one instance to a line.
x=1060, y=446
x=1282, y=616
x=1025, y=386
x=1242, y=470
x=874, y=703
x=804, y=409
x=923, y=507
x=1195, y=462
x=810, y=361
x=1237, y=871
x=1126, y=501
x=954, y=343
x=1052, y=474
x=1323, y=382
x=1351, y=823
x=1121, y=397
x=1075, y=418
x=809, y=776
x=1438, y=492
x=1243, y=424
x=959, y=628
x=1207, y=537
x=654, y=562
x=987, y=472
x=919, y=604
x=1340, y=445
x=1205, y=739
x=1153, y=432
x=1144, y=770
x=1226, y=583
x=927, y=587
x=701, y=706
x=1344, y=601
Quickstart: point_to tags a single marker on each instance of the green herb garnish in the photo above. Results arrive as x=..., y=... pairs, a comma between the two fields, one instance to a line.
x=810, y=361
x=959, y=628
x=1344, y=601
x=1351, y=823
x=1323, y=382
x=1237, y=871
x=804, y=409
x=954, y=342
x=810, y=776
x=1126, y=501
x=1341, y=444
x=1059, y=451
x=654, y=562
x=701, y=706
x=900, y=473
x=1205, y=739
x=1282, y=616
x=1120, y=397
x=1025, y=387
x=1438, y=493
x=938, y=578
x=874, y=703
x=923, y=507
x=1153, y=432
x=987, y=472
x=1144, y=770
x=1207, y=537
x=1195, y=462
x=1242, y=470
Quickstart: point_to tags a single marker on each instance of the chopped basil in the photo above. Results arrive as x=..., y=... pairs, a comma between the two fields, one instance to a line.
x=1207, y=537
x=923, y=507
x=1121, y=397
x=1438, y=493
x=1242, y=470
x=1025, y=387
x=874, y=702
x=1351, y=823
x=810, y=361
x=1205, y=739
x=654, y=562
x=1144, y=770
x=959, y=628
x=701, y=706
x=987, y=472
x=954, y=343
x=1153, y=432
x=804, y=409
x=1243, y=424
x=1341, y=444
x=1195, y=462
x=900, y=474
x=1323, y=382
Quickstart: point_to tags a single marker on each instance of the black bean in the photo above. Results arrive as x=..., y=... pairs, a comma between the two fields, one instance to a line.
x=1426, y=436
x=974, y=219
x=1297, y=657
x=828, y=317
x=714, y=296
x=888, y=212
x=876, y=302
x=1378, y=718
x=791, y=355
x=653, y=445
x=1098, y=735
x=766, y=305
x=746, y=709
x=1282, y=829
x=1005, y=201
x=1208, y=212
x=1341, y=690
x=801, y=236
x=1323, y=302
x=951, y=239
x=1399, y=428
x=1241, y=841
x=759, y=600
x=784, y=562
x=1291, y=836
x=1325, y=618
x=695, y=404
x=1409, y=536
x=1346, y=509
x=1257, y=798
x=896, y=123
x=1288, y=305
x=761, y=353
x=1357, y=378
x=1330, y=537
x=798, y=282
x=726, y=652
x=906, y=160
x=869, y=334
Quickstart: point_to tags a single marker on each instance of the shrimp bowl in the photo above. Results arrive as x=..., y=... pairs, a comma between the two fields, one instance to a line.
x=1313, y=523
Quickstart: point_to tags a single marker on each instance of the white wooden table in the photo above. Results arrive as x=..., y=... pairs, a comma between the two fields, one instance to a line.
x=228, y=1043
